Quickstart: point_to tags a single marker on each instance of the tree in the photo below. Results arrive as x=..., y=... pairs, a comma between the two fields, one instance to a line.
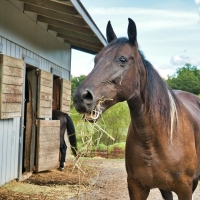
x=76, y=81
x=186, y=78
x=115, y=121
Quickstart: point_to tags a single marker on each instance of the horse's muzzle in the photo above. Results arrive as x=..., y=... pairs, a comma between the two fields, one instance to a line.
x=83, y=101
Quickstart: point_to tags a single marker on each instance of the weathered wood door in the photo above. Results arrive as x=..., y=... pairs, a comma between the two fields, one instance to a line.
x=48, y=144
x=45, y=92
x=65, y=96
x=11, y=86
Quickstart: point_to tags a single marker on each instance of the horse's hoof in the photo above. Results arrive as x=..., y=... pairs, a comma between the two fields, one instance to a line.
x=61, y=168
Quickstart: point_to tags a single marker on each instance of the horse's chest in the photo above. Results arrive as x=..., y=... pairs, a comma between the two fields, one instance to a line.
x=148, y=169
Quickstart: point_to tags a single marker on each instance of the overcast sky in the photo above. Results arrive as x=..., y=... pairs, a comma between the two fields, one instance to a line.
x=168, y=32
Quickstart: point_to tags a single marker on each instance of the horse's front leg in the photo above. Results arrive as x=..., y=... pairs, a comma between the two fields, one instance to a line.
x=136, y=191
x=184, y=192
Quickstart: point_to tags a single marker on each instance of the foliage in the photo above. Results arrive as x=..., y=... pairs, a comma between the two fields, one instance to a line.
x=112, y=147
x=186, y=78
x=76, y=81
x=114, y=121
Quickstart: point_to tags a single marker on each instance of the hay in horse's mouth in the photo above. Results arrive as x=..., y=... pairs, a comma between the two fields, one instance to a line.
x=96, y=112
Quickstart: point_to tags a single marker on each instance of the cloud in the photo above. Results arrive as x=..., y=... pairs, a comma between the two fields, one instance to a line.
x=182, y=60
x=198, y=5
x=150, y=19
x=197, y=1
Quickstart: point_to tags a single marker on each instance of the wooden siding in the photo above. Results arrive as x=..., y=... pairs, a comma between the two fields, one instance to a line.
x=11, y=83
x=45, y=95
x=48, y=144
x=65, y=96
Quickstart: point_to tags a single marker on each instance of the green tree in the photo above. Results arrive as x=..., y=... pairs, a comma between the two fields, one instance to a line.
x=76, y=81
x=186, y=78
x=115, y=121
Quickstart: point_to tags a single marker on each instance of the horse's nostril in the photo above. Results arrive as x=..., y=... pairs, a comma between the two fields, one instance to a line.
x=87, y=97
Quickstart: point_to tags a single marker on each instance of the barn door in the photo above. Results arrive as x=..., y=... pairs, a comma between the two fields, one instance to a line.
x=11, y=84
x=65, y=96
x=45, y=92
x=48, y=144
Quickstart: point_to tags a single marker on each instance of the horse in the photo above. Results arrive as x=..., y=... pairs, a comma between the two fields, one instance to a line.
x=163, y=140
x=65, y=123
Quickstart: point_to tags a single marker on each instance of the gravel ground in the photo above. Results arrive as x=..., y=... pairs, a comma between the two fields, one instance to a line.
x=104, y=179
x=112, y=184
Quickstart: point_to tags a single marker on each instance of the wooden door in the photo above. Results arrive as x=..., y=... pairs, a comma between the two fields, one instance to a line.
x=45, y=92
x=11, y=86
x=48, y=144
x=65, y=96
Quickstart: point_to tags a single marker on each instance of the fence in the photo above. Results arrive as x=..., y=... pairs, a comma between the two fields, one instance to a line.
x=116, y=153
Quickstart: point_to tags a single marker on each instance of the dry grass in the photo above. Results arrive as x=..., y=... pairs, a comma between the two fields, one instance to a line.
x=52, y=184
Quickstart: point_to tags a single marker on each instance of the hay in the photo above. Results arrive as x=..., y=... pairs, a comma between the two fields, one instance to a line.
x=51, y=185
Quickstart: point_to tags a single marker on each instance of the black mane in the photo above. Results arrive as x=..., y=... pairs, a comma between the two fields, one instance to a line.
x=156, y=94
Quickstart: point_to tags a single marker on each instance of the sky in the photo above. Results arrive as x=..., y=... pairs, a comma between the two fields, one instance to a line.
x=168, y=32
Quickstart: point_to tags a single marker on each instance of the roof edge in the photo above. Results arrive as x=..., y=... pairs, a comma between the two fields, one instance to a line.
x=81, y=9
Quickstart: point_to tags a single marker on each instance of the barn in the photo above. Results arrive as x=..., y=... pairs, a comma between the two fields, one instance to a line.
x=36, y=40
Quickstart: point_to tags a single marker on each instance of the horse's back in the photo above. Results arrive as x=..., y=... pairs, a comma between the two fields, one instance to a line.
x=58, y=115
x=190, y=101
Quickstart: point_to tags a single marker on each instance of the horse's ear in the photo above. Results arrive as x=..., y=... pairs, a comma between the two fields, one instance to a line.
x=132, y=32
x=110, y=33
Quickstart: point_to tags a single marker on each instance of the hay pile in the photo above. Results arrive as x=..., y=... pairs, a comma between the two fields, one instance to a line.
x=51, y=185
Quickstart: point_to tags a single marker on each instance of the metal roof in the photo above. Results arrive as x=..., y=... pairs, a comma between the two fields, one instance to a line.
x=70, y=21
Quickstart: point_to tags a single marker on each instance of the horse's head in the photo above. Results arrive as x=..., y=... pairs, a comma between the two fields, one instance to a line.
x=115, y=77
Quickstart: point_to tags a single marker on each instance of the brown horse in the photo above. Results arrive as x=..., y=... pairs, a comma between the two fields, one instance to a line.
x=163, y=141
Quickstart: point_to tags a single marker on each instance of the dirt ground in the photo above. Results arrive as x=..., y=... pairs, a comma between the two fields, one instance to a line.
x=96, y=179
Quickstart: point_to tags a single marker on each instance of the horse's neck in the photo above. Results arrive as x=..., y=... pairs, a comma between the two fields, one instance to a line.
x=143, y=127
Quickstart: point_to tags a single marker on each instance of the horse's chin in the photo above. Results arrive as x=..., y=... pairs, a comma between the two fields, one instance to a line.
x=94, y=115
x=91, y=117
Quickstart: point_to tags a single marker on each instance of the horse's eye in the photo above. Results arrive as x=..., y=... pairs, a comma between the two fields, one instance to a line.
x=122, y=61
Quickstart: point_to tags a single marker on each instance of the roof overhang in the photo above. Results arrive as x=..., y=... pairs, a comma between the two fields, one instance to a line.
x=69, y=21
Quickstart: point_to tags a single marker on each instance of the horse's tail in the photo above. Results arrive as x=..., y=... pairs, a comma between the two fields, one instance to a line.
x=71, y=134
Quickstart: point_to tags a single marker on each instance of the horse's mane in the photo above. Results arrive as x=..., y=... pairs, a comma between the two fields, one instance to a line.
x=158, y=97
